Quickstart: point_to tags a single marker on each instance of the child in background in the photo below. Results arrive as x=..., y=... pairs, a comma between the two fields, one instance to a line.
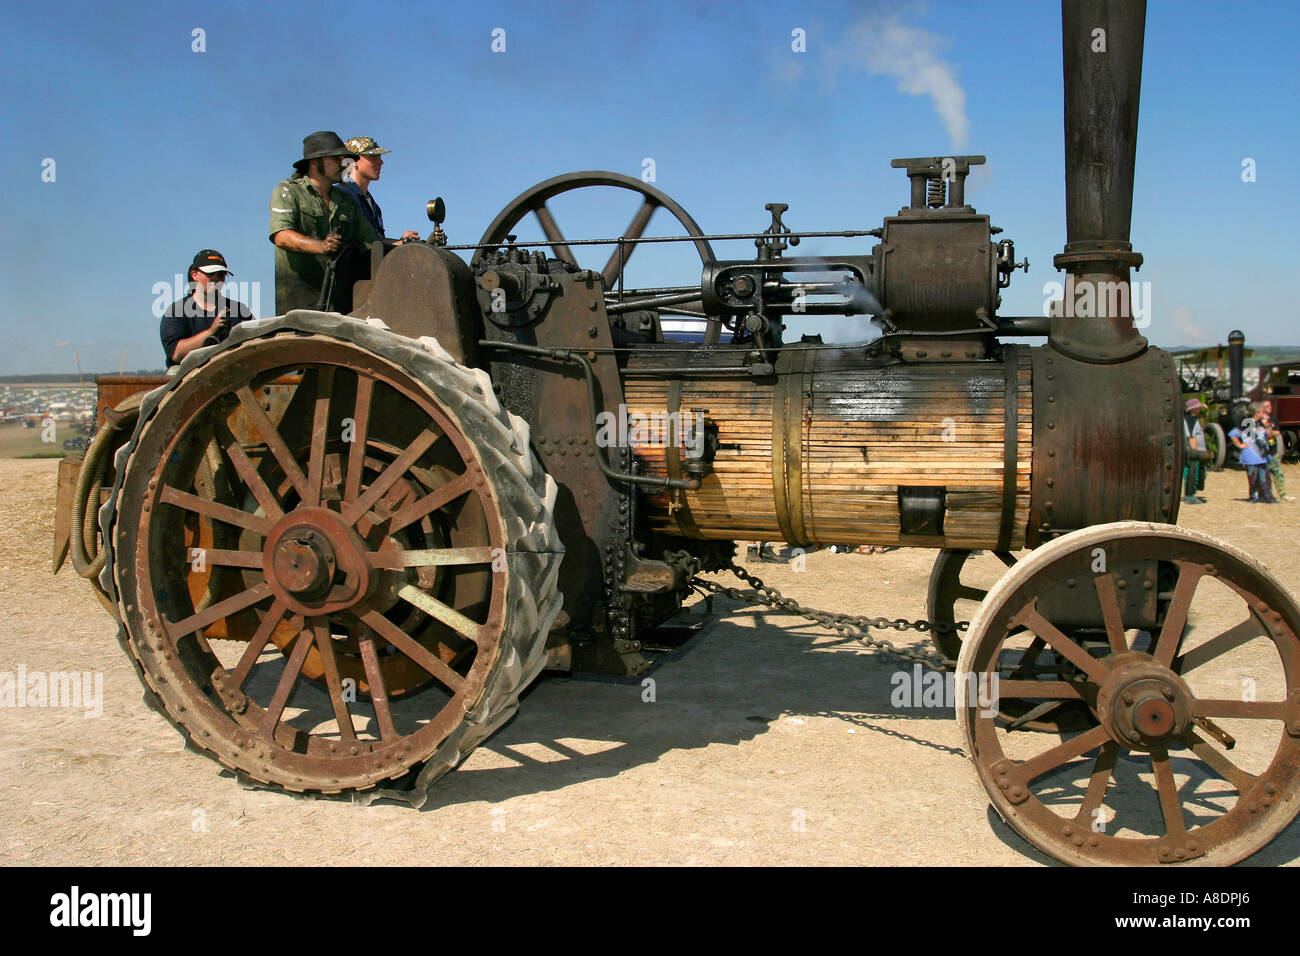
x=1247, y=438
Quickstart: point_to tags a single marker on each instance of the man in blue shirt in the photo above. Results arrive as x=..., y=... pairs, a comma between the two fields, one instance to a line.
x=1251, y=441
x=358, y=177
x=204, y=316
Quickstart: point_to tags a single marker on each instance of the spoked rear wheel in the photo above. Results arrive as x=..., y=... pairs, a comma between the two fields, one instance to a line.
x=387, y=549
x=959, y=582
x=1193, y=749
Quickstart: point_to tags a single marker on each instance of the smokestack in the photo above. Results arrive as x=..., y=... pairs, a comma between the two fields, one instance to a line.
x=1102, y=58
x=1236, y=364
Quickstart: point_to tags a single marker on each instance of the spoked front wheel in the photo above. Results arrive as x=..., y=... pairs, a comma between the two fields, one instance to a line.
x=1192, y=753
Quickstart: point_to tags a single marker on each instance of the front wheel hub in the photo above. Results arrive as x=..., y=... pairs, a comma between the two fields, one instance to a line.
x=1144, y=705
x=316, y=563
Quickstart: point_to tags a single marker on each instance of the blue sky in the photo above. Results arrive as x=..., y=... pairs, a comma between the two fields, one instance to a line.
x=160, y=151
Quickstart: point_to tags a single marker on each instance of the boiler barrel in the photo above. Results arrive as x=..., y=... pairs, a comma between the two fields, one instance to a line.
x=833, y=450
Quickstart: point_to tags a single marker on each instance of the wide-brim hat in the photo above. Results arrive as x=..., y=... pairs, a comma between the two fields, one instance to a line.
x=319, y=145
x=1193, y=405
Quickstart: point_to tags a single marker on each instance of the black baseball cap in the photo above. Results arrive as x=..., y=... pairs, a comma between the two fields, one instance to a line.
x=210, y=261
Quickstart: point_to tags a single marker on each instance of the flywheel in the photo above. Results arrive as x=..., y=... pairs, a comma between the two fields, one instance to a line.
x=387, y=549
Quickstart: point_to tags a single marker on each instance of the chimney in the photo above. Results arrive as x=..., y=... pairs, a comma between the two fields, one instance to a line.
x=1102, y=56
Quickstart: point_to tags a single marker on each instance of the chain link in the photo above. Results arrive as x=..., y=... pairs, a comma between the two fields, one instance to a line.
x=849, y=626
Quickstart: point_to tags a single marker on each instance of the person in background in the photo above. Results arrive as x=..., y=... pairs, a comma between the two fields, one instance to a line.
x=1247, y=438
x=204, y=316
x=1197, y=451
x=1275, y=450
x=358, y=177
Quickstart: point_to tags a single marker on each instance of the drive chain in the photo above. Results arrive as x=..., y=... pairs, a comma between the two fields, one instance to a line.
x=850, y=626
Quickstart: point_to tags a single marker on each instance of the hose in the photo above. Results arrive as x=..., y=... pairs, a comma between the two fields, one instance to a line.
x=87, y=558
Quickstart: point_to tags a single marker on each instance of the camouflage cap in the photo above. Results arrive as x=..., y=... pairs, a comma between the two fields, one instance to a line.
x=365, y=146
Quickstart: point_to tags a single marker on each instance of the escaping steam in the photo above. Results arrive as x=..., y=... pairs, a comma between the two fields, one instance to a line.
x=881, y=44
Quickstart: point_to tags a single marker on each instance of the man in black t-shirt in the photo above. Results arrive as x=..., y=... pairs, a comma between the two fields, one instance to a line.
x=205, y=315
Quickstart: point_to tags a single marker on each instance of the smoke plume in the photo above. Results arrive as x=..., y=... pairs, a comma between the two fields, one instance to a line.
x=881, y=44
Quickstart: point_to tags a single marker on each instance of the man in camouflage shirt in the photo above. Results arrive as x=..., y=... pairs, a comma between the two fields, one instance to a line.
x=314, y=224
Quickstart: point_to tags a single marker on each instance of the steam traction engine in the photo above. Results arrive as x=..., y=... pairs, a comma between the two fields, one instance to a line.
x=340, y=547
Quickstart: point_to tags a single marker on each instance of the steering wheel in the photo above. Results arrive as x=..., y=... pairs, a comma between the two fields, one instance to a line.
x=534, y=200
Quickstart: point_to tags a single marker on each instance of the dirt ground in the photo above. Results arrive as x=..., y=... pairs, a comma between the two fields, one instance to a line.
x=769, y=741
